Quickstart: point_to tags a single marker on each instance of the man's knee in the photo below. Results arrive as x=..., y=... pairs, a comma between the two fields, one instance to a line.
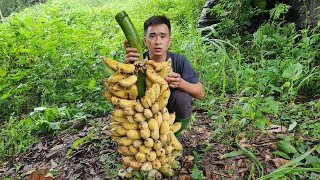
x=181, y=103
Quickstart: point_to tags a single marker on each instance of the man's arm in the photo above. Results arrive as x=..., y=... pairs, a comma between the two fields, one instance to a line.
x=194, y=89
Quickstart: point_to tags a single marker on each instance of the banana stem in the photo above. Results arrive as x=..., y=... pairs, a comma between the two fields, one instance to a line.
x=130, y=32
x=134, y=41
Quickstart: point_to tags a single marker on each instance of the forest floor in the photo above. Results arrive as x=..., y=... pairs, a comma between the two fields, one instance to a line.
x=96, y=157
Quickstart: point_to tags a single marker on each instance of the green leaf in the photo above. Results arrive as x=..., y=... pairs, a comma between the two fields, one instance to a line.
x=292, y=72
x=92, y=83
x=196, y=174
x=282, y=154
x=292, y=125
x=3, y=72
x=286, y=147
x=5, y=96
x=231, y=154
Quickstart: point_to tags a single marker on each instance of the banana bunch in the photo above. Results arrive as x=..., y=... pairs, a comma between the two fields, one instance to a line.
x=143, y=128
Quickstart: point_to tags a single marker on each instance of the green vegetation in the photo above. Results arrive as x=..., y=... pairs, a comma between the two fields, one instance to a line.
x=51, y=72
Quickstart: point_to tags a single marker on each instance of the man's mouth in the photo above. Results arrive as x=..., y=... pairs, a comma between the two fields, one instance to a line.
x=157, y=49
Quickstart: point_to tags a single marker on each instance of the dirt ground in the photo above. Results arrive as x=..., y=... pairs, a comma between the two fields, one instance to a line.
x=95, y=158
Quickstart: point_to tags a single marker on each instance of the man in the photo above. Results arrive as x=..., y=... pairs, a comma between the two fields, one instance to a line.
x=183, y=81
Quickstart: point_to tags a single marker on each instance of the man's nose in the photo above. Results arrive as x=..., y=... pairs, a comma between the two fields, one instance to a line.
x=158, y=40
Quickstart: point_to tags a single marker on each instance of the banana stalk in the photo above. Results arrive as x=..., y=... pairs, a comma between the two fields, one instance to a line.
x=134, y=41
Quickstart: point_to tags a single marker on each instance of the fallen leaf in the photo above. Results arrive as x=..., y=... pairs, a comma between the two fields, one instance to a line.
x=279, y=162
x=39, y=175
x=277, y=129
x=53, y=164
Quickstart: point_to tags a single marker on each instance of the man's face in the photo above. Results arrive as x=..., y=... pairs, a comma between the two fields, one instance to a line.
x=157, y=39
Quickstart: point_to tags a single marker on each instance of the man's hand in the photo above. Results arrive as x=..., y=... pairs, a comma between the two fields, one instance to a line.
x=131, y=53
x=174, y=80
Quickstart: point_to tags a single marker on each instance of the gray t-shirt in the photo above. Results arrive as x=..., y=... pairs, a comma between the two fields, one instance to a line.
x=180, y=65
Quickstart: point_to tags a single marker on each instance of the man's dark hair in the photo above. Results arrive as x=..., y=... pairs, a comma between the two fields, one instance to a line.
x=155, y=20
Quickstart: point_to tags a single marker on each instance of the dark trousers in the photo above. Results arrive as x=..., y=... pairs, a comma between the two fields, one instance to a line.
x=181, y=103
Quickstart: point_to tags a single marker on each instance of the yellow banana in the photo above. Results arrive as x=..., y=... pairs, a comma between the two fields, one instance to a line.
x=107, y=94
x=163, y=98
x=153, y=124
x=141, y=157
x=147, y=113
x=125, y=141
x=156, y=89
x=129, y=81
x=133, y=92
x=143, y=125
x=161, y=152
x=148, y=82
x=127, y=159
x=130, y=119
x=164, y=128
x=118, y=119
x=157, y=145
x=114, y=132
x=138, y=107
x=165, y=168
x=156, y=164
x=145, y=133
x=151, y=156
x=120, y=130
x=155, y=134
x=133, y=150
x=175, y=127
x=116, y=87
x=168, y=148
x=151, y=95
x=146, y=102
x=117, y=77
x=165, y=71
x=130, y=126
x=148, y=142
x=163, y=159
x=135, y=165
x=124, y=93
x=118, y=112
x=144, y=149
x=124, y=150
x=154, y=77
x=146, y=166
x=114, y=124
x=129, y=111
x=155, y=108
x=117, y=66
x=166, y=115
x=158, y=118
x=137, y=143
x=157, y=66
x=139, y=117
x=174, y=141
x=163, y=139
x=163, y=87
x=172, y=118
x=133, y=134
x=122, y=102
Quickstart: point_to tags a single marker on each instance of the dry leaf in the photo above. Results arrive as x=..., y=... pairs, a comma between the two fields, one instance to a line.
x=279, y=162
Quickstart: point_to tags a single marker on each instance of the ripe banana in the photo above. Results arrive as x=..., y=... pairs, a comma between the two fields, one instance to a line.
x=142, y=127
x=129, y=81
x=117, y=66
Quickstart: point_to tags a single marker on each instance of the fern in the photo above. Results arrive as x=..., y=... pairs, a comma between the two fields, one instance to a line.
x=278, y=10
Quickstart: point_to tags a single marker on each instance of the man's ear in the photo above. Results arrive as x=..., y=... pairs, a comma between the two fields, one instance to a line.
x=144, y=41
